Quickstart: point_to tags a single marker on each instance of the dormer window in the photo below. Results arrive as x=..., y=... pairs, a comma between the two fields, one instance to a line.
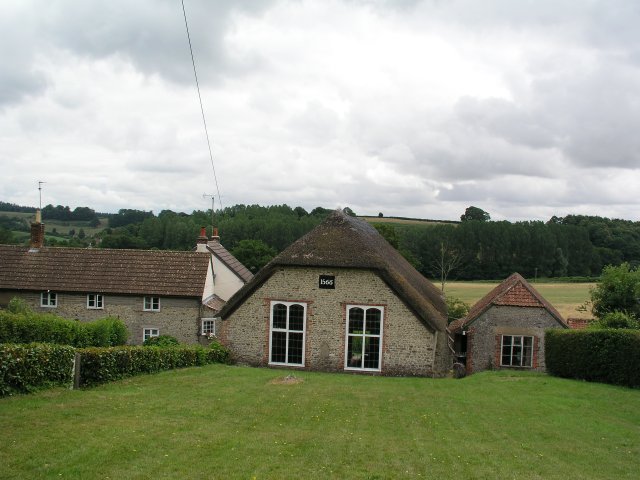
x=48, y=300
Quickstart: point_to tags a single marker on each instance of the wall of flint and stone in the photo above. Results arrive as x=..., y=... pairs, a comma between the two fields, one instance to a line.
x=179, y=317
x=408, y=346
x=485, y=333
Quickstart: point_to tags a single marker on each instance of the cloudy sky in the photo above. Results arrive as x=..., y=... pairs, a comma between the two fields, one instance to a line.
x=526, y=109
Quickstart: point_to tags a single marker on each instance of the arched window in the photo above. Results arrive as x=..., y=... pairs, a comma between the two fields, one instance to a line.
x=287, y=330
x=363, y=348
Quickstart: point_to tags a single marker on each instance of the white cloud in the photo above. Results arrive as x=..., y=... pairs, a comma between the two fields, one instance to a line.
x=416, y=108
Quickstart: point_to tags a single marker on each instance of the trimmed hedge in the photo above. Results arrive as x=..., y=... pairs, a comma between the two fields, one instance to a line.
x=26, y=368
x=29, y=327
x=608, y=356
x=101, y=365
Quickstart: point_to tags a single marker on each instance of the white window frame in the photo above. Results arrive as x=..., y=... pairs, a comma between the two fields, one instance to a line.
x=522, y=357
x=95, y=301
x=149, y=305
x=288, y=332
x=49, y=299
x=363, y=336
x=208, y=326
x=149, y=332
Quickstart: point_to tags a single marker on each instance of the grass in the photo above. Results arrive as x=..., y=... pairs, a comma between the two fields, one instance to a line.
x=237, y=422
x=565, y=297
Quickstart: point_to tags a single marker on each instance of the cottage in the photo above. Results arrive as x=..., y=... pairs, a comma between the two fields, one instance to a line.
x=154, y=292
x=339, y=299
x=505, y=329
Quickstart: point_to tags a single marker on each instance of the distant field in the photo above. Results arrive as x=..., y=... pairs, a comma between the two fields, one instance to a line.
x=405, y=221
x=565, y=297
x=61, y=227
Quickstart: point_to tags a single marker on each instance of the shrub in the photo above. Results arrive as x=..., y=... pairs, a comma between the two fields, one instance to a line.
x=218, y=353
x=18, y=305
x=31, y=327
x=615, y=320
x=101, y=365
x=161, y=341
x=25, y=368
x=608, y=355
x=456, y=309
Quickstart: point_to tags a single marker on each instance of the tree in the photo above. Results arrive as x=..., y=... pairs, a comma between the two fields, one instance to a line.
x=448, y=260
x=475, y=213
x=253, y=254
x=617, y=291
x=348, y=211
x=456, y=309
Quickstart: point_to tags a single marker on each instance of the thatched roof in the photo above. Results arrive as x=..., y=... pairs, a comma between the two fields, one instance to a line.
x=515, y=291
x=148, y=272
x=342, y=241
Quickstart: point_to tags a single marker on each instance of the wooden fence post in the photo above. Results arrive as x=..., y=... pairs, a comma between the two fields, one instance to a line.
x=76, y=370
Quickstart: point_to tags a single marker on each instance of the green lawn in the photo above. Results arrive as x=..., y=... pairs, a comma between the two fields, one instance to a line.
x=565, y=297
x=236, y=422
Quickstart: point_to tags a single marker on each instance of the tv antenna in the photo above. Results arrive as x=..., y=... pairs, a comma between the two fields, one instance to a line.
x=213, y=198
x=40, y=183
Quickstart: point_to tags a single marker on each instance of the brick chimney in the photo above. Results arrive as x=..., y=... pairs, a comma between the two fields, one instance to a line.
x=37, y=232
x=201, y=243
x=216, y=237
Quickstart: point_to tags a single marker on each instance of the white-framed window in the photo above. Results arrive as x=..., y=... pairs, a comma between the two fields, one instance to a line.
x=147, y=333
x=151, y=304
x=363, y=348
x=208, y=326
x=95, y=301
x=286, y=333
x=516, y=351
x=48, y=299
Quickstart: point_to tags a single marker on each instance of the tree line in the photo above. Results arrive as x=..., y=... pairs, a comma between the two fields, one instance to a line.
x=476, y=248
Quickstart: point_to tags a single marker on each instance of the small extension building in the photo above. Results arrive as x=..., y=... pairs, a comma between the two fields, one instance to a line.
x=154, y=292
x=505, y=329
x=339, y=299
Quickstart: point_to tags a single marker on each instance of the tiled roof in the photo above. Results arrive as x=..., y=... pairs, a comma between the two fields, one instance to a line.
x=515, y=291
x=342, y=241
x=229, y=260
x=150, y=272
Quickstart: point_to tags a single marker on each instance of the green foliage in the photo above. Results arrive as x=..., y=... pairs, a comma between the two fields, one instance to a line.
x=609, y=356
x=161, y=341
x=389, y=233
x=475, y=213
x=28, y=327
x=616, y=320
x=18, y=305
x=456, y=308
x=218, y=353
x=6, y=237
x=101, y=365
x=618, y=290
x=25, y=368
x=253, y=254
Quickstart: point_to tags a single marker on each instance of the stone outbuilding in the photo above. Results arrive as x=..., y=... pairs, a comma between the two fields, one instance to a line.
x=505, y=329
x=340, y=298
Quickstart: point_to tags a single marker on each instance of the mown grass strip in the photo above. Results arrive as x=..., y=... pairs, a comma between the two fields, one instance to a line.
x=234, y=422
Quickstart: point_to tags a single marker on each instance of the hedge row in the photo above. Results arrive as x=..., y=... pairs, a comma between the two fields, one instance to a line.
x=29, y=327
x=28, y=367
x=609, y=356
x=25, y=368
x=101, y=365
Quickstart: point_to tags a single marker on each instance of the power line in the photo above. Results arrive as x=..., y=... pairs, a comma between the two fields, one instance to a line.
x=204, y=121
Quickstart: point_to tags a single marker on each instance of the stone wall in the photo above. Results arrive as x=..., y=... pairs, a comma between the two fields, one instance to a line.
x=484, y=335
x=408, y=346
x=179, y=317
